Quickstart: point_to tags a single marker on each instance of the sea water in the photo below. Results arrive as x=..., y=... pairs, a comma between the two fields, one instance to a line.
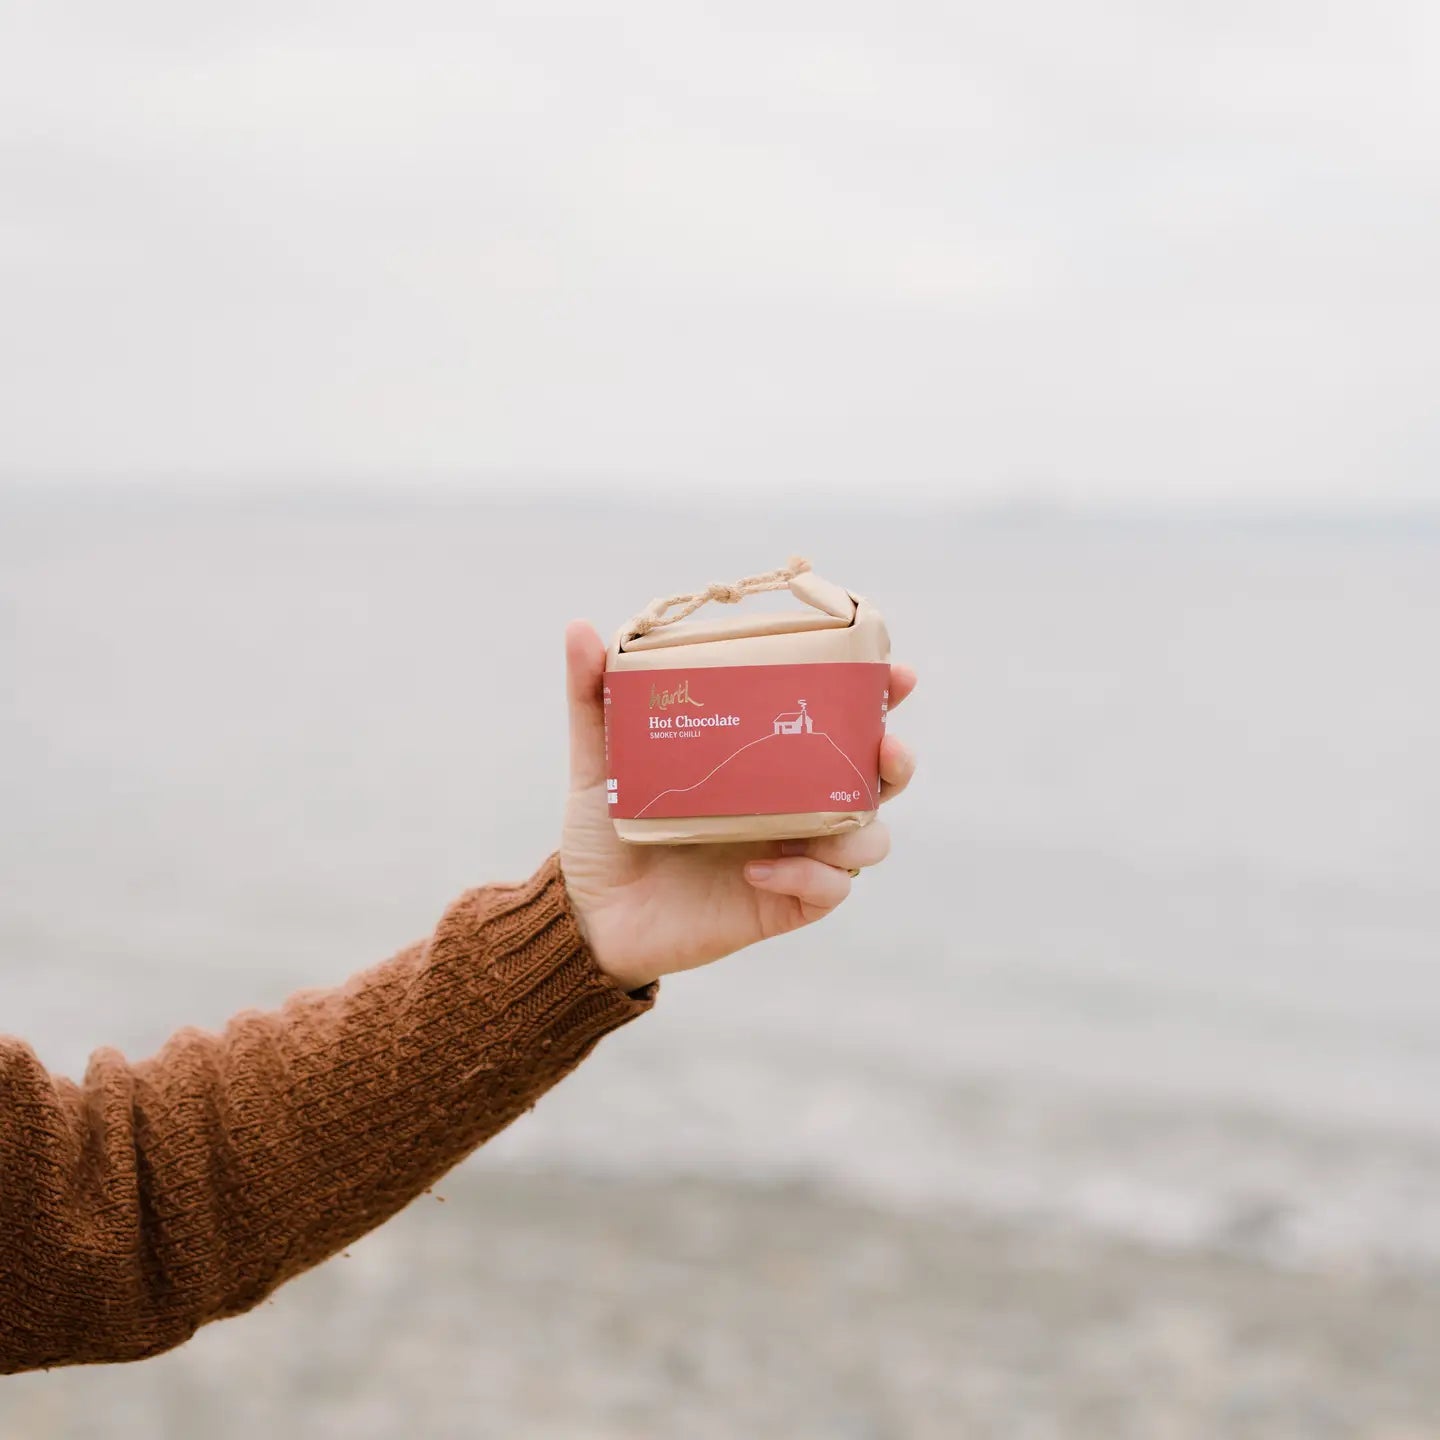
x=1157, y=952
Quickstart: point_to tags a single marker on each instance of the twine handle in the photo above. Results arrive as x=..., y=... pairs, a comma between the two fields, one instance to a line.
x=656, y=614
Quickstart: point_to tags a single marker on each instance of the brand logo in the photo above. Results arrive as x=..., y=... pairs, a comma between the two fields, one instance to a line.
x=680, y=695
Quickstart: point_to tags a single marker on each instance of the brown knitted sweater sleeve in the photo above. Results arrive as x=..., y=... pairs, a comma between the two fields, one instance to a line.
x=159, y=1195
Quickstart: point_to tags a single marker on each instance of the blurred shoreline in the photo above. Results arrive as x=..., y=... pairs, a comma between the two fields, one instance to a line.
x=578, y=1308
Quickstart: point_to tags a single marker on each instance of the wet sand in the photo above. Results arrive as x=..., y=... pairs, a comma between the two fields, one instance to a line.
x=585, y=1309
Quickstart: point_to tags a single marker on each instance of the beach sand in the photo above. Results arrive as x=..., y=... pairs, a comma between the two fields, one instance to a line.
x=587, y=1309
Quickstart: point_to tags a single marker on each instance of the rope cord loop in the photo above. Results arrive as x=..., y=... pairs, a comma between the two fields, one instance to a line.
x=656, y=614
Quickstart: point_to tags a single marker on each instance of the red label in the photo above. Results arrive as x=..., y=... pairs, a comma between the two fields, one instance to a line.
x=744, y=739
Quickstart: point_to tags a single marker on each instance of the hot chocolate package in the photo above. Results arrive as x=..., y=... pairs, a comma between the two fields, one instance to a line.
x=758, y=727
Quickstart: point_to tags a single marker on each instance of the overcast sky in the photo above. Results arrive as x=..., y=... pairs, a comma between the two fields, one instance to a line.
x=1116, y=250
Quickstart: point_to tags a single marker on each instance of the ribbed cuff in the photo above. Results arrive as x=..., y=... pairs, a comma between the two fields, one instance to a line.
x=543, y=986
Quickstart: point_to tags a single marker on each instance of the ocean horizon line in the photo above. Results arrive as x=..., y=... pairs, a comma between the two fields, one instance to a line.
x=520, y=489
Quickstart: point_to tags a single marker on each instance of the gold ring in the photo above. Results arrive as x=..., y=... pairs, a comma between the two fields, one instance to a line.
x=852, y=873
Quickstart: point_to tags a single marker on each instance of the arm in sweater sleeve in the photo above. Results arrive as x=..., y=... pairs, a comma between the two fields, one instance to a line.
x=159, y=1195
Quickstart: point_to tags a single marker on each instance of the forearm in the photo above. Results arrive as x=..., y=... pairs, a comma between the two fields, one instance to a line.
x=161, y=1195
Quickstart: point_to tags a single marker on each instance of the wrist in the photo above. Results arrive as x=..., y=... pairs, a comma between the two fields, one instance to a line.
x=608, y=956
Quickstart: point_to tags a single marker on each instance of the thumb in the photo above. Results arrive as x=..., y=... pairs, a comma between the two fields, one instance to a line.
x=584, y=679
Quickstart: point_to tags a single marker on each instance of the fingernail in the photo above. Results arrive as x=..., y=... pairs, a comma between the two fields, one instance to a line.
x=794, y=847
x=759, y=870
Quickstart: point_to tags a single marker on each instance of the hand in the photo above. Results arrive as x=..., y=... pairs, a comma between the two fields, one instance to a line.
x=648, y=910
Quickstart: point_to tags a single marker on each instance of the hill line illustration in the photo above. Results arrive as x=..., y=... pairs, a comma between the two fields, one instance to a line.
x=795, y=723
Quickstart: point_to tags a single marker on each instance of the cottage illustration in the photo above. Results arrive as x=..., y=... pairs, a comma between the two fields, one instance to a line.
x=797, y=723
